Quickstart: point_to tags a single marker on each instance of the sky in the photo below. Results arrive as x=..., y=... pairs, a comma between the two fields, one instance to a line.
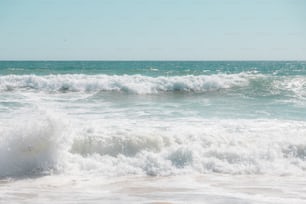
x=152, y=29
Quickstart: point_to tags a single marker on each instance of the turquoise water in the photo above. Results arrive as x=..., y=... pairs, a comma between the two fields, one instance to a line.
x=152, y=68
x=198, y=89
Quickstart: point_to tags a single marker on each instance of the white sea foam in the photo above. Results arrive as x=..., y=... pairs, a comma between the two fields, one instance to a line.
x=296, y=85
x=231, y=147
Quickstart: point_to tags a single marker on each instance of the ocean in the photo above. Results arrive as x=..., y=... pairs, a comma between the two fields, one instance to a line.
x=152, y=132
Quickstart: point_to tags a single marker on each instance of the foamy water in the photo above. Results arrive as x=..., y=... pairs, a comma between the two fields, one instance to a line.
x=235, y=137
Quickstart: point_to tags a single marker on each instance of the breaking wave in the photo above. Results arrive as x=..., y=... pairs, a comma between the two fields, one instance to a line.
x=137, y=84
x=205, y=146
x=243, y=83
x=111, y=148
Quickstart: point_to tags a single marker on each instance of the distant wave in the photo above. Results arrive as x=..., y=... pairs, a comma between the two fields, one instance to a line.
x=136, y=84
x=245, y=83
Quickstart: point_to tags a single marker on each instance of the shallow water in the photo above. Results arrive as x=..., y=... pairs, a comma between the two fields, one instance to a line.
x=171, y=189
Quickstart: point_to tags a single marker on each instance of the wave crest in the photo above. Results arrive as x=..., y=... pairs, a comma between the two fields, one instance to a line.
x=123, y=83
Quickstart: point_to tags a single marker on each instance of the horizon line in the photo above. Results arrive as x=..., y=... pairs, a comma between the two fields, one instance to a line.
x=152, y=60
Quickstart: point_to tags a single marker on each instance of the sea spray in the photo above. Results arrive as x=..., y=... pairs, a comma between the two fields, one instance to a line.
x=31, y=144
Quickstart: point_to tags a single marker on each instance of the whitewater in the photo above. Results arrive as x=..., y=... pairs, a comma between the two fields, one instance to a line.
x=152, y=132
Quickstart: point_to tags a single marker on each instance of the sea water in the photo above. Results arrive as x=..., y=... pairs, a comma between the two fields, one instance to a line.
x=149, y=132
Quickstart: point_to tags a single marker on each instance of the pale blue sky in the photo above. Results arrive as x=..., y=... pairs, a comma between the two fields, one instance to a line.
x=153, y=30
